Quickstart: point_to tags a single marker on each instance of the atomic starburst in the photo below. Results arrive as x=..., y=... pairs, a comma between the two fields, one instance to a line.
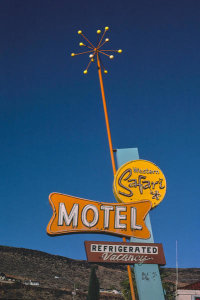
x=95, y=51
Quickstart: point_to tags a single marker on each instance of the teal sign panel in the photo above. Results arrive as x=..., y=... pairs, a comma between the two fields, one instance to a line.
x=147, y=277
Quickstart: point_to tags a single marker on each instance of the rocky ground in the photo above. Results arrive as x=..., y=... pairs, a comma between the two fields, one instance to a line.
x=56, y=276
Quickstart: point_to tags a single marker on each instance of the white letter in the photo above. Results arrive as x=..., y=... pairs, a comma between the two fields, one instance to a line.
x=119, y=217
x=84, y=213
x=106, y=214
x=133, y=219
x=63, y=215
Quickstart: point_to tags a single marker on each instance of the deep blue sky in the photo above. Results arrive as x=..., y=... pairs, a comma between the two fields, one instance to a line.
x=52, y=129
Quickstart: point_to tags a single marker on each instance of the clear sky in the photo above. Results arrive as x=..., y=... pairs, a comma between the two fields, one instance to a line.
x=52, y=129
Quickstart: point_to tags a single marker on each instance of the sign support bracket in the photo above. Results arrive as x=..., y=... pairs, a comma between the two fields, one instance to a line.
x=148, y=281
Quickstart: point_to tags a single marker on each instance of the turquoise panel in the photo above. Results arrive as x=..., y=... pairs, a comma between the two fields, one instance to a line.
x=147, y=276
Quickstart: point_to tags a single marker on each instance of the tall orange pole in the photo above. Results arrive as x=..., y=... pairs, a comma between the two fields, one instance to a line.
x=106, y=115
x=112, y=157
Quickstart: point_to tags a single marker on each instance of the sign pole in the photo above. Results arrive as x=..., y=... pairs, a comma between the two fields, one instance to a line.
x=94, y=52
x=106, y=115
x=112, y=156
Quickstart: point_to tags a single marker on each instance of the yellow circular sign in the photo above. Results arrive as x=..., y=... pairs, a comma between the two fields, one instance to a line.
x=139, y=180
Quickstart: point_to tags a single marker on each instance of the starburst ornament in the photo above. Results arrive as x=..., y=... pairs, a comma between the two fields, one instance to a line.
x=95, y=51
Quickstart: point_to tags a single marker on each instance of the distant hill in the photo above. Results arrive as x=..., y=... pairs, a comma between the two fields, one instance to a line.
x=50, y=276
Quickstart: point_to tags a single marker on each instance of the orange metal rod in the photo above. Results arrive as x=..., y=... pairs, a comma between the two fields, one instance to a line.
x=112, y=157
x=106, y=115
x=130, y=278
x=101, y=39
x=87, y=40
x=101, y=51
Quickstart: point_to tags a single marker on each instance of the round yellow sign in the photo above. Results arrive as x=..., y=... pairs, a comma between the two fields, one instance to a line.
x=139, y=180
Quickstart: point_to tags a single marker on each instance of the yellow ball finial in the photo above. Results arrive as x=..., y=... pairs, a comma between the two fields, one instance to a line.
x=119, y=51
x=85, y=71
x=98, y=31
x=105, y=71
x=111, y=56
x=80, y=31
x=107, y=40
x=72, y=54
x=106, y=28
x=81, y=44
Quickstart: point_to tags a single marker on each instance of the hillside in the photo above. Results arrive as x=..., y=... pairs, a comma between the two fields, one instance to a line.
x=55, y=275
